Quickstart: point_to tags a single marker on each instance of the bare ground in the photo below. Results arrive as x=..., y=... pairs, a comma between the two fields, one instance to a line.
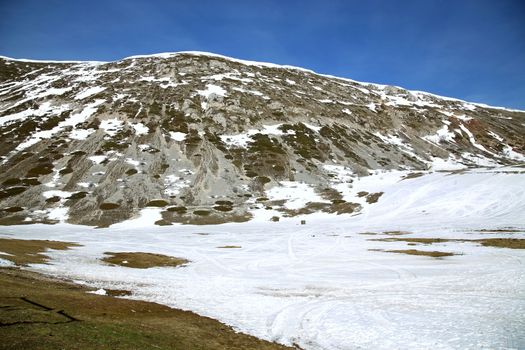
x=39, y=312
x=140, y=260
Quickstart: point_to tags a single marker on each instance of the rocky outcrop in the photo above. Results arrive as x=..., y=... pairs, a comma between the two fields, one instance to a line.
x=209, y=138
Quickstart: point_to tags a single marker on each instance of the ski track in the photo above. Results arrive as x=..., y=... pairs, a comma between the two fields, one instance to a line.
x=318, y=285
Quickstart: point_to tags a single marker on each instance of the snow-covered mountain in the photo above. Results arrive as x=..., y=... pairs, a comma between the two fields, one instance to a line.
x=210, y=139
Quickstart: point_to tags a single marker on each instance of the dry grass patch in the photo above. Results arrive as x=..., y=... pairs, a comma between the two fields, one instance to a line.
x=414, y=240
x=117, y=292
x=512, y=243
x=389, y=233
x=211, y=218
x=373, y=197
x=499, y=230
x=159, y=203
x=412, y=176
x=433, y=254
x=230, y=247
x=23, y=252
x=109, y=206
x=140, y=260
x=396, y=233
x=48, y=314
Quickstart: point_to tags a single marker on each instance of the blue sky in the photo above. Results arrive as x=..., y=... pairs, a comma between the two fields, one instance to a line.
x=474, y=50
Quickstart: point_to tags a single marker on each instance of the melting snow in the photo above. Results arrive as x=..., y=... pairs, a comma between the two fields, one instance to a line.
x=371, y=106
x=86, y=184
x=472, y=139
x=173, y=184
x=253, y=92
x=496, y=136
x=80, y=134
x=133, y=162
x=232, y=76
x=58, y=193
x=313, y=127
x=6, y=263
x=111, y=126
x=74, y=119
x=469, y=106
x=177, y=136
x=100, y=291
x=97, y=159
x=89, y=92
x=59, y=213
x=140, y=129
x=441, y=135
x=463, y=117
x=43, y=109
x=212, y=90
x=341, y=173
x=319, y=285
x=510, y=153
x=479, y=160
x=242, y=140
x=297, y=194
x=446, y=164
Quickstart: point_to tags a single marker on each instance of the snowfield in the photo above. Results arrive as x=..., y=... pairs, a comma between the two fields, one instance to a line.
x=328, y=284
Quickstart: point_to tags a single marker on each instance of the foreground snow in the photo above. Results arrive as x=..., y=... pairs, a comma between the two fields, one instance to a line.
x=319, y=285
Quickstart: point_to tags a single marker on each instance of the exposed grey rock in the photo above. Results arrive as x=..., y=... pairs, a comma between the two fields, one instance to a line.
x=157, y=128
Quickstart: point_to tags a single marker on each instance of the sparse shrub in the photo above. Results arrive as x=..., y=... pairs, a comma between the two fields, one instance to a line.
x=223, y=208
x=263, y=179
x=12, y=191
x=373, y=197
x=201, y=212
x=53, y=199
x=39, y=170
x=109, y=206
x=13, y=209
x=160, y=203
x=180, y=210
x=12, y=181
x=66, y=170
x=278, y=168
x=78, y=153
x=78, y=195
x=32, y=181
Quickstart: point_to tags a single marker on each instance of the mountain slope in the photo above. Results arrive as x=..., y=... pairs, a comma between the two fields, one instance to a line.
x=210, y=139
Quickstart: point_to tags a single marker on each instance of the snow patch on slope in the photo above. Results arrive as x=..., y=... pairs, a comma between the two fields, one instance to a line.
x=89, y=92
x=296, y=194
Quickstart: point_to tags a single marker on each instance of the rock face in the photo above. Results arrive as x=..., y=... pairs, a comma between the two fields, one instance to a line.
x=208, y=138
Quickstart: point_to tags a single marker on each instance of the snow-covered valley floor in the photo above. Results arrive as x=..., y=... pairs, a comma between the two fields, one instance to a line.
x=326, y=284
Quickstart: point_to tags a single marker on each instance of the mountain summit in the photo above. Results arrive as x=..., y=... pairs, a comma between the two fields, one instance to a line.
x=209, y=139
